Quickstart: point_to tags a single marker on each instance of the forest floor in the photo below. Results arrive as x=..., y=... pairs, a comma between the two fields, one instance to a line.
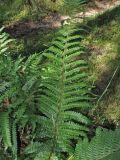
x=53, y=20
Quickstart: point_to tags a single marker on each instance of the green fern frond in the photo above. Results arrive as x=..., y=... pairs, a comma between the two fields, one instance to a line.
x=6, y=129
x=70, y=7
x=104, y=146
x=4, y=41
x=64, y=88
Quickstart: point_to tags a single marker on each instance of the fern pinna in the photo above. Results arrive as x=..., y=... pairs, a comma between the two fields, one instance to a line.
x=64, y=94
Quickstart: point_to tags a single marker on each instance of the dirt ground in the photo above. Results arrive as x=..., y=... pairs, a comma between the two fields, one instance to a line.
x=54, y=20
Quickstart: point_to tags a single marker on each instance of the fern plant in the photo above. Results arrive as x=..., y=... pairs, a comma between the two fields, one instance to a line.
x=104, y=146
x=4, y=116
x=64, y=94
x=18, y=88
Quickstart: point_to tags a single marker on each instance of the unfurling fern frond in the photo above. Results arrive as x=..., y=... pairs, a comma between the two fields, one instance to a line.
x=64, y=92
x=104, y=146
x=5, y=128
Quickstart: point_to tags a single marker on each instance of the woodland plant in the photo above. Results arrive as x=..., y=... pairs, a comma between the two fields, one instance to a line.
x=18, y=80
x=65, y=94
x=44, y=103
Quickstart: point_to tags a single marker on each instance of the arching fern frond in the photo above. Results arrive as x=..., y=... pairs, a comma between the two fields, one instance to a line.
x=4, y=41
x=64, y=92
x=104, y=146
x=19, y=86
